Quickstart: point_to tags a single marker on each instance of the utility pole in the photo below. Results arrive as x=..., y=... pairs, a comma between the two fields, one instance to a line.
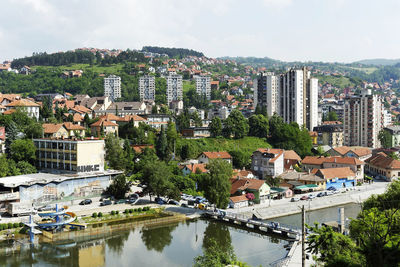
x=303, y=237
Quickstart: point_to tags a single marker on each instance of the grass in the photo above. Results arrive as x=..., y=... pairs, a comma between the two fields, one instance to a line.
x=340, y=82
x=107, y=217
x=368, y=70
x=187, y=85
x=247, y=144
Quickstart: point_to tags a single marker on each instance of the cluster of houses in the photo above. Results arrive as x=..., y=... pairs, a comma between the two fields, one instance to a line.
x=345, y=167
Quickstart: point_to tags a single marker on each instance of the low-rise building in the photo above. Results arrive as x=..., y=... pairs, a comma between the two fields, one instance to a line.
x=384, y=166
x=394, y=132
x=238, y=201
x=310, y=163
x=362, y=153
x=205, y=157
x=28, y=106
x=295, y=179
x=196, y=132
x=243, y=186
x=330, y=134
x=267, y=162
x=338, y=177
x=193, y=168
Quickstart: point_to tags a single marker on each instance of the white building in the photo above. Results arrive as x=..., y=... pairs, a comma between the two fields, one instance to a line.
x=28, y=106
x=387, y=118
x=174, y=87
x=203, y=86
x=298, y=98
x=112, y=87
x=268, y=92
x=363, y=120
x=147, y=88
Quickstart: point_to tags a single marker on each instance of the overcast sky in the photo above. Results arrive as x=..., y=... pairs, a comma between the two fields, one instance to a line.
x=318, y=30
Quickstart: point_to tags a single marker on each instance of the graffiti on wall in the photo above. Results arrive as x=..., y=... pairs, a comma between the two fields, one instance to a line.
x=66, y=190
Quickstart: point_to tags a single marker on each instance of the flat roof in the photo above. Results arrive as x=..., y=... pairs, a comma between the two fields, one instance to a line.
x=45, y=178
x=69, y=140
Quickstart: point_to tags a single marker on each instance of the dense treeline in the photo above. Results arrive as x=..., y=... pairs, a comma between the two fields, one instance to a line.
x=56, y=59
x=172, y=52
x=77, y=57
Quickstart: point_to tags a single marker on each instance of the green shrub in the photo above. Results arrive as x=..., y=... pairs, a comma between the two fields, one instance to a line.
x=100, y=214
x=126, y=211
x=21, y=224
x=9, y=225
x=131, y=210
x=1, y=227
x=94, y=215
x=16, y=225
x=117, y=212
x=139, y=209
x=112, y=212
x=23, y=230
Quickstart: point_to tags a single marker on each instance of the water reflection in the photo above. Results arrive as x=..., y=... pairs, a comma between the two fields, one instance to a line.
x=220, y=233
x=158, y=238
x=117, y=243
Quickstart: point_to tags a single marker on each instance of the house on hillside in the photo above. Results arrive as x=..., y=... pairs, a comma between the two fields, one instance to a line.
x=51, y=130
x=205, y=157
x=74, y=129
x=28, y=106
x=193, y=168
x=362, y=153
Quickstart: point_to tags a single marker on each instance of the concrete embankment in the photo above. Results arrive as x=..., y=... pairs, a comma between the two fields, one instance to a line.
x=284, y=207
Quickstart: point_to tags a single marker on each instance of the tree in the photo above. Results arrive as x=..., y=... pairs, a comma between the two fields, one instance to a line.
x=23, y=150
x=172, y=136
x=114, y=152
x=240, y=159
x=3, y=165
x=162, y=145
x=25, y=168
x=196, y=119
x=258, y=126
x=332, y=116
x=216, y=127
x=235, y=125
x=217, y=186
x=385, y=138
x=119, y=187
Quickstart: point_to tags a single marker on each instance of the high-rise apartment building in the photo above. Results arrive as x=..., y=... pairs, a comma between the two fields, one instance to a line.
x=174, y=87
x=268, y=92
x=147, y=88
x=299, y=98
x=203, y=86
x=112, y=87
x=363, y=119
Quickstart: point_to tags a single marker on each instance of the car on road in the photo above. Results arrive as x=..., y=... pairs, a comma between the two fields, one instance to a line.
x=106, y=202
x=160, y=201
x=321, y=194
x=295, y=199
x=184, y=205
x=329, y=193
x=86, y=202
x=173, y=202
x=311, y=196
x=46, y=208
x=304, y=198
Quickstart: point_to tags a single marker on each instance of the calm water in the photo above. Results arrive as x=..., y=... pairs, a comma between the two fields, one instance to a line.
x=321, y=216
x=171, y=245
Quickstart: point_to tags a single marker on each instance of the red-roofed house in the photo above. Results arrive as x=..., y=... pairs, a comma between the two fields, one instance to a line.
x=107, y=126
x=54, y=130
x=267, y=162
x=384, y=166
x=238, y=201
x=242, y=186
x=338, y=177
x=74, y=129
x=205, y=157
x=194, y=168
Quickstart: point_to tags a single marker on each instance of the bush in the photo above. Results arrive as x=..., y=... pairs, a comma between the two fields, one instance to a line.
x=139, y=209
x=117, y=212
x=16, y=225
x=112, y=212
x=1, y=227
x=23, y=230
x=9, y=225
x=21, y=224
x=94, y=215
x=131, y=210
x=126, y=211
x=100, y=214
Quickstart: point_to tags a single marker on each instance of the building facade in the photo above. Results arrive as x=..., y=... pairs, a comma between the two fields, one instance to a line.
x=174, y=87
x=267, y=162
x=268, y=92
x=203, y=86
x=147, y=88
x=394, y=132
x=70, y=155
x=299, y=98
x=330, y=134
x=112, y=87
x=363, y=120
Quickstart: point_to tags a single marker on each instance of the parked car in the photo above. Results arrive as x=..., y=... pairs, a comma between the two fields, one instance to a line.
x=304, y=198
x=46, y=208
x=173, y=202
x=119, y=201
x=86, y=202
x=329, y=193
x=159, y=201
x=295, y=199
x=106, y=202
x=331, y=188
x=321, y=194
x=184, y=205
x=311, y=196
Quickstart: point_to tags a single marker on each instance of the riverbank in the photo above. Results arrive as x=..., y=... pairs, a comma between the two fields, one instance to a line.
x=283, y=207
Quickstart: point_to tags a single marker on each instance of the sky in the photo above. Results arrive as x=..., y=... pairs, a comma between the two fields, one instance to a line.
x=289, y=30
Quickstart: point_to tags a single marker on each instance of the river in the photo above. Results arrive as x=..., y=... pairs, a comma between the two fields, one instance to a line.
x=175, y=244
